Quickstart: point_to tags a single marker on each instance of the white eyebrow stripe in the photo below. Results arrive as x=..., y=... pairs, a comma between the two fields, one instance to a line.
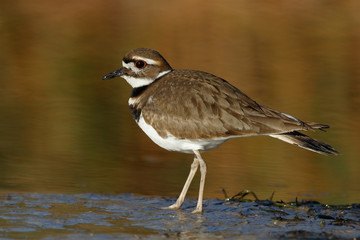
x=147, y=60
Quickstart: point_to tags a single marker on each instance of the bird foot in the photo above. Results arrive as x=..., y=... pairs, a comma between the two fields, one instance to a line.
x=173, y=206
x=197, y=211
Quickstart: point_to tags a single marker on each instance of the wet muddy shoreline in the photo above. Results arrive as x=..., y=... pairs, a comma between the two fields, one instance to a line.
x=127, y=216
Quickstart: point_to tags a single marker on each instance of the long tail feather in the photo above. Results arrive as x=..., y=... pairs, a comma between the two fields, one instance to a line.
x=306, y=142
x=317, y=126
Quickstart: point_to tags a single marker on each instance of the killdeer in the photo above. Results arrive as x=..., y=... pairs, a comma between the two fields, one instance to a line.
x=192, y=111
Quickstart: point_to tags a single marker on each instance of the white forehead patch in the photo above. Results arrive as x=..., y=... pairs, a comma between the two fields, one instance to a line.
x=131, y=66
x=126, y=65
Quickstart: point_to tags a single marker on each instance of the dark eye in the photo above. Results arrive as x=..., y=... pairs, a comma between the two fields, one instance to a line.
x=140, y=64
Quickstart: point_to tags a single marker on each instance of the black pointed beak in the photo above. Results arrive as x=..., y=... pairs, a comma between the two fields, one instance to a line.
x=117, y=73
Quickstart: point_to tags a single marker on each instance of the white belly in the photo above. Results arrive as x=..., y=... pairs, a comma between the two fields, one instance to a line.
x=172, y=143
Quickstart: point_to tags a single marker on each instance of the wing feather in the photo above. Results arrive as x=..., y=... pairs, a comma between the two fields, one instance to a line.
x=204, y=106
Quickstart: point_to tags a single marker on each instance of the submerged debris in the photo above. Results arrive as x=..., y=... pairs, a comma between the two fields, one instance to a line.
x=240, y=197
x=309, y=215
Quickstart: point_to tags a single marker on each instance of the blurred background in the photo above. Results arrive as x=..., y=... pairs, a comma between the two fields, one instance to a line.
x=64, y=130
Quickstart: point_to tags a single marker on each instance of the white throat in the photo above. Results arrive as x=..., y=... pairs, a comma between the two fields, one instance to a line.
x=140, y=82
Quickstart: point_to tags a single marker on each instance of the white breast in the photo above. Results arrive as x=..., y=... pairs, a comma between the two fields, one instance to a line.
x=172, y=143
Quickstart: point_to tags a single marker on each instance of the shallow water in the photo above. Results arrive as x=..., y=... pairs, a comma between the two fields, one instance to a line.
x=65, y=131
x=127, y=216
